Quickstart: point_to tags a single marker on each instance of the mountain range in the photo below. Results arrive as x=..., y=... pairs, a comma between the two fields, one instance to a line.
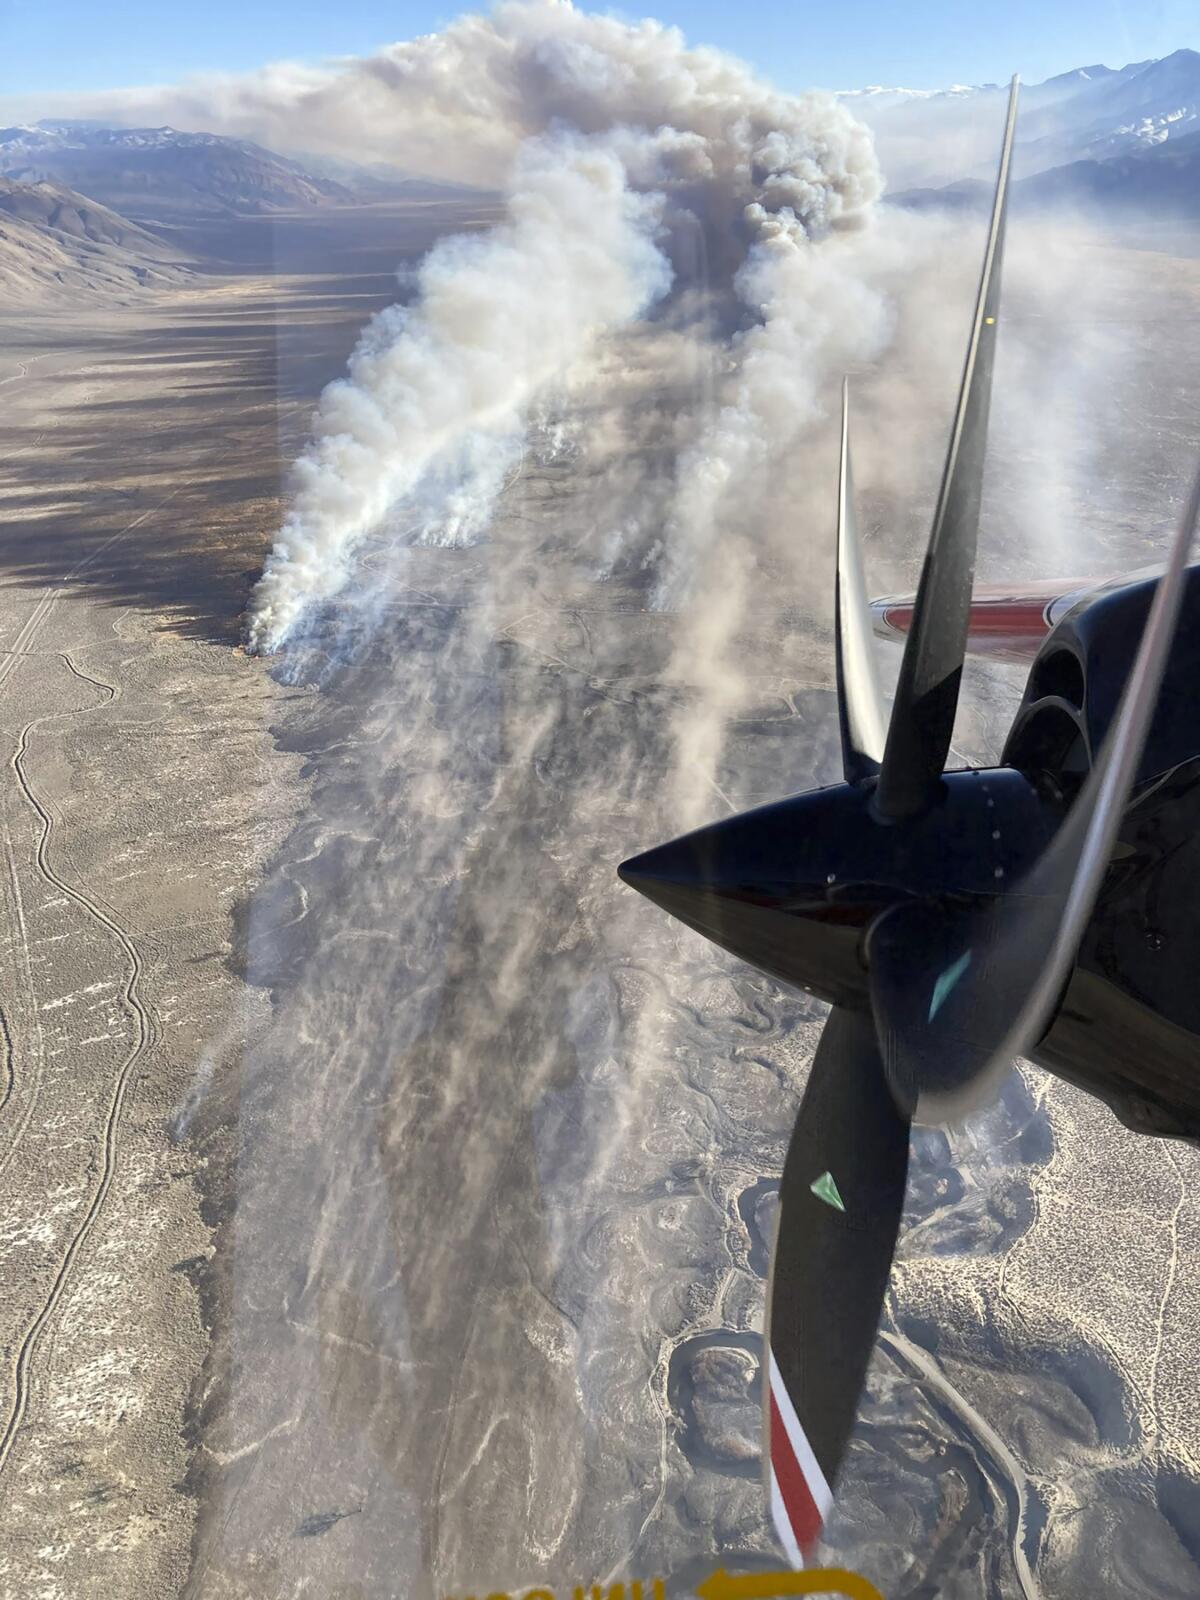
x=80, y=202
x=160, y=173
x=85, y=207
x=1108, y=133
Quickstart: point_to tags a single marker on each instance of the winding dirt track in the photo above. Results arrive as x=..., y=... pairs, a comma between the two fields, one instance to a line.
x=140, y=1016
x=143, y=1038
x=6, y=1036
x=23, y=373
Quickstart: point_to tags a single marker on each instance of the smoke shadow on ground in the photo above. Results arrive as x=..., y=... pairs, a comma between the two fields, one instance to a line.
x=144, y=493
x=146, y=453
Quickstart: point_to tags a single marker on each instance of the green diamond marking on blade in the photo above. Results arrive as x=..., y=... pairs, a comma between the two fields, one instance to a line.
x=946, y=982
x=825, y=1189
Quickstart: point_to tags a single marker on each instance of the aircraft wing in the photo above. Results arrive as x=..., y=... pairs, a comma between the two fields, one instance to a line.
x=1007, y=622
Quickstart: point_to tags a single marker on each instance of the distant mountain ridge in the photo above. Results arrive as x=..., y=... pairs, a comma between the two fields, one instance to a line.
x=164, y=175
x=159, y=173
x=1161, y=181
x=1092, y=113
x=85, y=207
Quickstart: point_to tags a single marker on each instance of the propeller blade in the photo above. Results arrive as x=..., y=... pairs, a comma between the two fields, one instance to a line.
x=840, y=1202
x=922, y=722
x=860, y=702
x=958, y=992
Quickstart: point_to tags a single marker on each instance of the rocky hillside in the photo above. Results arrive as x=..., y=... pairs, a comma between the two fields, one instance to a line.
x=59, y=245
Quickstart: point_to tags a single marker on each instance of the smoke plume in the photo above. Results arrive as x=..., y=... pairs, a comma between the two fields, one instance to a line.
x=638, y=174
x=496, y=319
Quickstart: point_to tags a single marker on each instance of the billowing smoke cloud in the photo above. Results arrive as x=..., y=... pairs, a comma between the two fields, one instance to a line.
x=458, y=104
x=818, y=315
x=625, y=154
x=496, y=318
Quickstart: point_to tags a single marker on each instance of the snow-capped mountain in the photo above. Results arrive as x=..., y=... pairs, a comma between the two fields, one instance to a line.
x=876, y=97
x=1117, y=116
x=1092, y=113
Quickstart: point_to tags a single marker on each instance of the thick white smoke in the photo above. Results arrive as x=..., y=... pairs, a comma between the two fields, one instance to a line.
x=818, y=315
x=496, y=318
x=618, y=144
x=459, y=103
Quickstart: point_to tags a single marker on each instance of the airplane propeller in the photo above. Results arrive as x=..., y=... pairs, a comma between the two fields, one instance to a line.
x=940, y=913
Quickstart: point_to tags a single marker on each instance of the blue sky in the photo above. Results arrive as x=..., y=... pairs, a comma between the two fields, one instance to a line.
x=48, y=45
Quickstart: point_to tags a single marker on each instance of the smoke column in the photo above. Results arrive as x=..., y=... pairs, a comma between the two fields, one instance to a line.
x=615, y=141
x=496, y=318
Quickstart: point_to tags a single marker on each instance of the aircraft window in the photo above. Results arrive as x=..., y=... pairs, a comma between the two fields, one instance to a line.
x=447, y=453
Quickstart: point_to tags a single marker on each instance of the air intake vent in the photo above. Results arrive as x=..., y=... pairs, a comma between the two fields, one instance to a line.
x=1060, y=675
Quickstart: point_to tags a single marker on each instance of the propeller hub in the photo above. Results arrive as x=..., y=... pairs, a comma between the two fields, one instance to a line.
x=794, y=887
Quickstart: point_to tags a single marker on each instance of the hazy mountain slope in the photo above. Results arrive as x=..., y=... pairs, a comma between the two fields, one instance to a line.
x=377, y=181
x=1091, y=113
x=50, y=205
x=159, y=172
x=56, y=244
x=1164, y=180
x=1161, y=181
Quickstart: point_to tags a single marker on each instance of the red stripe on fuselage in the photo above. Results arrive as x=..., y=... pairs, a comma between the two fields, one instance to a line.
x=1019, y=618
x=1007, y=622
x=793, y=1487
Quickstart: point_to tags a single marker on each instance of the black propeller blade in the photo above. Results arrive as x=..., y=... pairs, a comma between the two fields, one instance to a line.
x=918, y=739
x=840, y=1201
